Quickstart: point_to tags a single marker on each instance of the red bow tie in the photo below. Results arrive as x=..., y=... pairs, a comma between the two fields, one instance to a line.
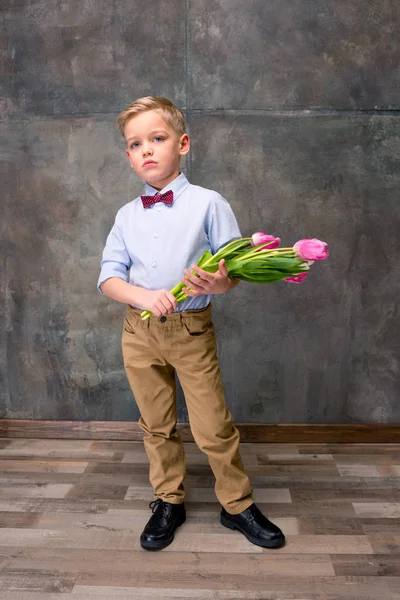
x=167, y=198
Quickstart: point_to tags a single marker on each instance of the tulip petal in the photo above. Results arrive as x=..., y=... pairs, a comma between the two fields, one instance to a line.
x=312, y=249
x=265, y=240
x=297, y=278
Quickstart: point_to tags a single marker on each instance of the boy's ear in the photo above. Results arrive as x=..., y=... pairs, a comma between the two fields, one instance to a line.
x=184, y=144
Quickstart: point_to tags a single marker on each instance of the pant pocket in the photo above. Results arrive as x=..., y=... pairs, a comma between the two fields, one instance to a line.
x=129, y=326
x=196, y=327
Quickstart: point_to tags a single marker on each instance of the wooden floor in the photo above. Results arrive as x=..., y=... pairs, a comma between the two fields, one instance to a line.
x=71, y=513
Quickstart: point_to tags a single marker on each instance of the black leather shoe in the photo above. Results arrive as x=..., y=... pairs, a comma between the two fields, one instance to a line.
x=160, y=529
x=255, y=527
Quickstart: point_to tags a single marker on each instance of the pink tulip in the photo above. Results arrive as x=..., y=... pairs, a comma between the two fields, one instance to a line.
x=268, y=242
x=297, y=278
x=312, y=249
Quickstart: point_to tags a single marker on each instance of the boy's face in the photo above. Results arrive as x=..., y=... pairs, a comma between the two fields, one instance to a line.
x=154, y=149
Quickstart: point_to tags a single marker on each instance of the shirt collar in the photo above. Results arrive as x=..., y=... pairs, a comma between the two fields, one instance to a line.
x=178, y=185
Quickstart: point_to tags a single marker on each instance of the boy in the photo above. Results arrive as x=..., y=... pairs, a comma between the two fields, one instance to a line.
x=154, y=239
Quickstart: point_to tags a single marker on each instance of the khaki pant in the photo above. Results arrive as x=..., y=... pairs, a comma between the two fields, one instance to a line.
x=152, y=351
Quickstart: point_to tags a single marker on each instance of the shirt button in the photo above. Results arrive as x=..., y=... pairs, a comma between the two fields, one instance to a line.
x=156, y=235
x=154, y=264
x=158, y=208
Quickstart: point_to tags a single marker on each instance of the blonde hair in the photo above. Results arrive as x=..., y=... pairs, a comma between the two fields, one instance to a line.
x=172, y=115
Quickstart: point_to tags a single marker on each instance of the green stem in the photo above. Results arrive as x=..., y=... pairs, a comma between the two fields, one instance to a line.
x=271, y=252
x=182, y=296
x=177, y=288
x=226, y=250
x=235, y=250
x=176, y=292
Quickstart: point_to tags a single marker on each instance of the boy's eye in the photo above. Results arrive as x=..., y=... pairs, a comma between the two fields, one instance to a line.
x=157, y=138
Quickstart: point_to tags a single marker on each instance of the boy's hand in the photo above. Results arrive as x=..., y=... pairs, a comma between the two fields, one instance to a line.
x=159, y=302
x=208, y=283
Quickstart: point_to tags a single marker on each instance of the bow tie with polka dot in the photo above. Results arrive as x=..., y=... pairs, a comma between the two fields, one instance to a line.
x=167, y=198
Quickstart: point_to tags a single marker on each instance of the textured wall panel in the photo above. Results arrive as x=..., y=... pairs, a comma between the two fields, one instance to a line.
x=326, y=350
x=92, y=56
x=62, y=356
x=274, y=54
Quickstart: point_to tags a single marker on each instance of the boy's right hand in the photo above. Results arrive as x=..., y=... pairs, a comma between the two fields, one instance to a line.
x=159, y=302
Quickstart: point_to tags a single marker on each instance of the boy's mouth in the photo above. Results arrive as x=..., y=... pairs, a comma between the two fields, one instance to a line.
x=149, y=163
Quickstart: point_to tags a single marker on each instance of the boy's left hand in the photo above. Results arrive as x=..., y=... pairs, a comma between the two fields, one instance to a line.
x=207, y=283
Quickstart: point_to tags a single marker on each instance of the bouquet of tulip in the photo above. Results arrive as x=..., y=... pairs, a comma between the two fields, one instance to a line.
x=259, y=259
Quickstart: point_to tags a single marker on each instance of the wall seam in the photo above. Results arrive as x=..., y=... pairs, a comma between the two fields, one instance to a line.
x=314, y=112
x=188, y=81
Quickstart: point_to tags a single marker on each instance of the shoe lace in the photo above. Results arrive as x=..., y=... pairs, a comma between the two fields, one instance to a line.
x=155, y=504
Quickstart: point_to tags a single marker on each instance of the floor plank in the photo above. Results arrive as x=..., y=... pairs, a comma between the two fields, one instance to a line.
x=71, y=513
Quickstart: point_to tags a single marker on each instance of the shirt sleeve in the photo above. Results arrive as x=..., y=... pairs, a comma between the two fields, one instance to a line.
x=116, y=261
x=223, y=226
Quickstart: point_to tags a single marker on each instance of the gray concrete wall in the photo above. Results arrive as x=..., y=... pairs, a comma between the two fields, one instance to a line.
x=293, y=112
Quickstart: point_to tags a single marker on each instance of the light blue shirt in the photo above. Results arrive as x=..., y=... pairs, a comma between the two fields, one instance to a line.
x=150, y=247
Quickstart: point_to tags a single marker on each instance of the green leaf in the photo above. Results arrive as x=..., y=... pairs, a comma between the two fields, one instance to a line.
x=206, y=256
x=260, y=279
x=226, y=251
x=284, y=263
